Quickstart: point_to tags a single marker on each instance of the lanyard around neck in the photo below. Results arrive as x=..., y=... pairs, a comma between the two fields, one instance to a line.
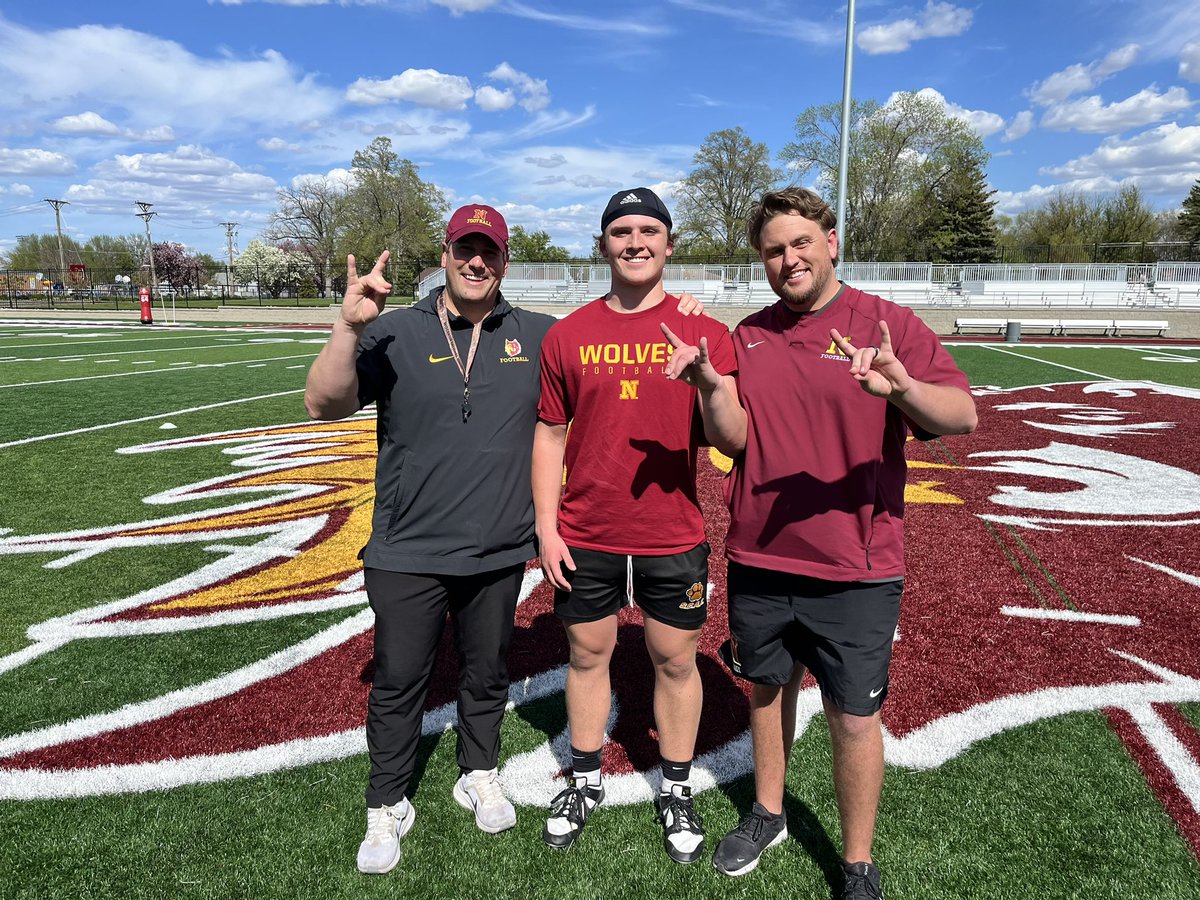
x=463, y=368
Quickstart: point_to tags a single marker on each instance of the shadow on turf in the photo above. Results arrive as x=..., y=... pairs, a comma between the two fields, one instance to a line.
x=803, y=826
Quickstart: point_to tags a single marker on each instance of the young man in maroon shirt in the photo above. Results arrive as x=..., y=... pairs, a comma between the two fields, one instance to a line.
x=625, y=523
x=831, y=380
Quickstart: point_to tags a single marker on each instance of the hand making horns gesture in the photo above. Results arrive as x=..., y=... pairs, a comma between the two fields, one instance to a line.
x=365, y=296
x=689, y=363
x=876, y=369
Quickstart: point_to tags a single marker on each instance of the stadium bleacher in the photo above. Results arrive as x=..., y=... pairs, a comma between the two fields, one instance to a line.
x=1045, y=288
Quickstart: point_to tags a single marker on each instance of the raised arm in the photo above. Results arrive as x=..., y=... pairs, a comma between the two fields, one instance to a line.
x=936, y=408
x=549, y=448
x=331, y=391
x=722, y=413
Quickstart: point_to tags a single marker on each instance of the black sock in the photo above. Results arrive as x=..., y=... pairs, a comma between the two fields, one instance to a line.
x=586, y=765
x=675, y=773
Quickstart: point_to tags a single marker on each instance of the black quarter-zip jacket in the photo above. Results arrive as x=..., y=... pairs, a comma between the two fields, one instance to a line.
x=451, y=497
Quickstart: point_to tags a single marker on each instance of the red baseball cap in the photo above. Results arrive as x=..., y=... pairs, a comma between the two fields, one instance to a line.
x=475, y=219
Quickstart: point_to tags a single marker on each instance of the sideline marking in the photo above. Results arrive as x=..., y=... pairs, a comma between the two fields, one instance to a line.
x=1047, y=362
x=166, y=415
x=187, y=349
x=175, y=368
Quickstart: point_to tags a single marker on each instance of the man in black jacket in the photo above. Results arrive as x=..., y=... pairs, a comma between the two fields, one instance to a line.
x=455, y=384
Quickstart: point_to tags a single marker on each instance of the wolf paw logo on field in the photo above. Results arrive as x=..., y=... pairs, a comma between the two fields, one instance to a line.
x=1070, y=584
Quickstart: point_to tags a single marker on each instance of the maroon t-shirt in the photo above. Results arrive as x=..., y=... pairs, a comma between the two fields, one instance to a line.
x=820, y=488
x=631, y=449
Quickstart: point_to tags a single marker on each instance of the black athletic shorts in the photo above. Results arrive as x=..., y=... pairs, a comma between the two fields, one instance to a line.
x=841, y=631
x=671, y=589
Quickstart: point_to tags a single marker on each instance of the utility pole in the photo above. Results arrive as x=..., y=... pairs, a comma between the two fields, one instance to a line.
x=229, y=227
x=62, y=261
x=146, y=215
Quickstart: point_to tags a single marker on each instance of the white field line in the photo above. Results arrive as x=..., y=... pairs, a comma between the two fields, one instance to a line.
x=176, y=368
x=1172, y=353
x=177, y=336
x=166, y=415
x=107, y=353
x=1046, y=362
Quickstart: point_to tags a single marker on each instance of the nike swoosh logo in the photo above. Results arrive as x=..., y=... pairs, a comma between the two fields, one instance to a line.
x=754, y=344
x=876, y=692
x=438, y=359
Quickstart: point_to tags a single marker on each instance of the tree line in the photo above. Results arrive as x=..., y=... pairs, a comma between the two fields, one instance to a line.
x=917, y=190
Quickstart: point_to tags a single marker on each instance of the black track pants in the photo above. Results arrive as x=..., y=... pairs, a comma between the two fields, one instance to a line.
x=410, y=613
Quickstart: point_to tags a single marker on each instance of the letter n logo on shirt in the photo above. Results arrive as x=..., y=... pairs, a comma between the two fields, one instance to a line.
x=629, y=389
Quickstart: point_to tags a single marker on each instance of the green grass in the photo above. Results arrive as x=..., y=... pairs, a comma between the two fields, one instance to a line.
x=1030, y=823
x=1056, y=809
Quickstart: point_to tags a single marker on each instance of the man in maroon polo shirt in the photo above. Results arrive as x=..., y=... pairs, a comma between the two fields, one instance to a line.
x=831, y=380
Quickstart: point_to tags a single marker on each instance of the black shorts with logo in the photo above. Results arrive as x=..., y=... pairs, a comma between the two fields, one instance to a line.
x=671, y=589
x=841, y=631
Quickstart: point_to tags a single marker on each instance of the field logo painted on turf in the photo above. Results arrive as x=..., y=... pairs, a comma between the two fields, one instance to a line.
x=1051, y=571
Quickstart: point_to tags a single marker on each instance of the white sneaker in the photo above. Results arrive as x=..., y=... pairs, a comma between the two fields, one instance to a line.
x=479, y=791
x=380, y=850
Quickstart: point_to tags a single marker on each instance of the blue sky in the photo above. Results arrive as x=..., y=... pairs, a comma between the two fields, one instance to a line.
x=544, y=109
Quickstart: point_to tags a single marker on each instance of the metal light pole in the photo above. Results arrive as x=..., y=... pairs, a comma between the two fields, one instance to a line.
x=844, y=147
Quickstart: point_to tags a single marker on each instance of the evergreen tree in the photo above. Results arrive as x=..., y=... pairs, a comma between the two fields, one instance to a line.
x=962, y=228
x=1189, y=216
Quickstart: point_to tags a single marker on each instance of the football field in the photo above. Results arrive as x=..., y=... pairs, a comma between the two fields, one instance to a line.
x=185, y=648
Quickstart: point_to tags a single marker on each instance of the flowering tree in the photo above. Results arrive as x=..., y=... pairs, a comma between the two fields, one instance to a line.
x=176, y=267
x=274, y=270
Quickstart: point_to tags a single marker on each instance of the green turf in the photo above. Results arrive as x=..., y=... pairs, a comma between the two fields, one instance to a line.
x=1032, y=824
x=1056, y=809
x=66, y=683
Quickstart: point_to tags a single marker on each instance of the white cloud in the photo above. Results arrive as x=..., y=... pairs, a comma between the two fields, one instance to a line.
x=190, y=182
x=1020, y=126
x=86, y=123
x=1091, y=115
x=424, y=87
x=1166, y=150
x=17, y=189
x=936, y=20
x=1189, y=61
x=775, y=18
x=490, y=99
x=1118, y=60
x=34, y=162
x=594, y=181
x=458, y=7
x=534, y=93
x=90, y=124
x=152, y=79
x=1076, y=78
x=983, y=123
x=547, y=162
x=159, y=134
x=277, y=145
x=629, y=28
